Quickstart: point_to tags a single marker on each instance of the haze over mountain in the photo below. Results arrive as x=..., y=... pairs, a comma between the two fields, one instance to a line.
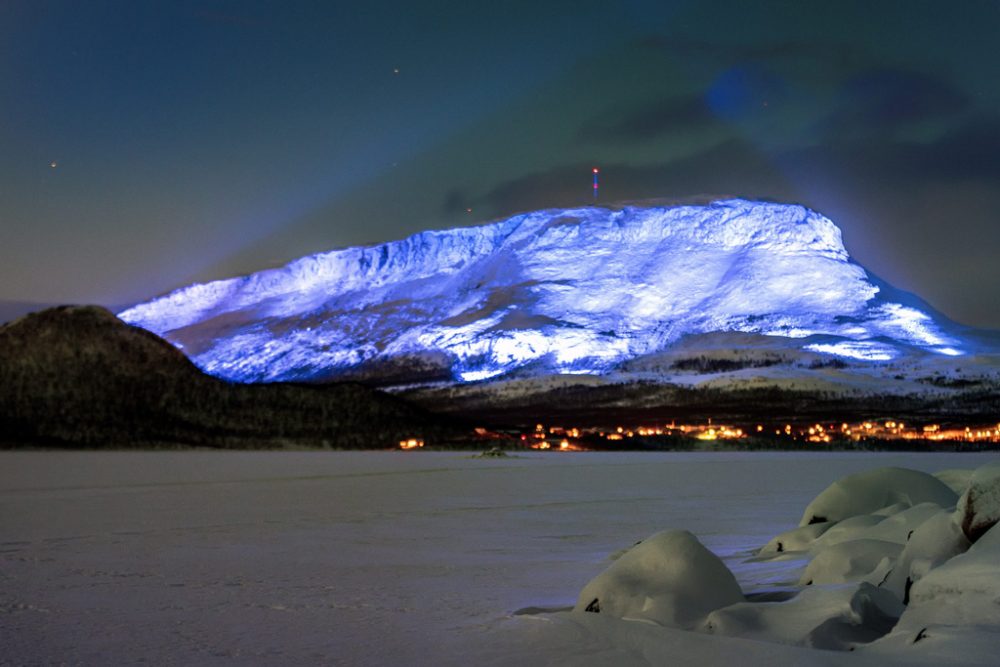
x=11, y=310
x=559, y=291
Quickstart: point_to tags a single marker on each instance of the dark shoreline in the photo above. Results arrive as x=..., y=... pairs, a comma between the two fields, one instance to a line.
x=639, y=444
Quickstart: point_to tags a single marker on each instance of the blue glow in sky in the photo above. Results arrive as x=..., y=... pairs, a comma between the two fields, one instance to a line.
x=200, y=139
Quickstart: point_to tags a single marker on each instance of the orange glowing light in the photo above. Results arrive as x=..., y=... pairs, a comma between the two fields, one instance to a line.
x=411, y=443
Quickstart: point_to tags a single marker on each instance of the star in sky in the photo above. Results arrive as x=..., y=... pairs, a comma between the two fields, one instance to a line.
x=215, y=142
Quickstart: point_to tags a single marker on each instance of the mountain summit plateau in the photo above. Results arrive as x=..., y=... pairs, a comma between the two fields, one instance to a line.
x=559, y=291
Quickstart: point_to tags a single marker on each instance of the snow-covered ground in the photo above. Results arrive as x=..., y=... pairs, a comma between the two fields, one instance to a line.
x=386, y=558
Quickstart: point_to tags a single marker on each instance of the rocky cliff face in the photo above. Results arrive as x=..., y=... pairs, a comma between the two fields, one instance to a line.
x=557, y=291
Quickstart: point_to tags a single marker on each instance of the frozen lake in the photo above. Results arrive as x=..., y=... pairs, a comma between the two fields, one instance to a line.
x=367, y=558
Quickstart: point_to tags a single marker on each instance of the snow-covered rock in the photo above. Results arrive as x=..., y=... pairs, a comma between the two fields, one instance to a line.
x=895, y=528
x=896, y=508
x=855, y=560
x=797, y=539
x=932, y=543
x=956, y=478
x=669, y=578
x=554, y=291
x=831, y=618
x=898, y=526
x=953, y=609
x=851, y=528
x=870, y=491
x=933, y=646
x=979, y=507
x=891, y=575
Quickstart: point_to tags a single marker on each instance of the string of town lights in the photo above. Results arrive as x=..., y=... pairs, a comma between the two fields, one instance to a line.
x=584, y=438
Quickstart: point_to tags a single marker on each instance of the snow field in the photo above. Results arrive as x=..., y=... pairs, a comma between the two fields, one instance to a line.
x=437, y=558
x=896, y=565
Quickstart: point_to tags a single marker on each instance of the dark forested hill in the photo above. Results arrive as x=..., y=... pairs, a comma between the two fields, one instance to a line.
x=79, y=376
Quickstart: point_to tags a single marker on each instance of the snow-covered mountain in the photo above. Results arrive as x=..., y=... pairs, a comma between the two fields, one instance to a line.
x=558, y=291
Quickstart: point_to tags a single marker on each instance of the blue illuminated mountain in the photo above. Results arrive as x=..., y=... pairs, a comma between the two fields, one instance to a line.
x=561, y=291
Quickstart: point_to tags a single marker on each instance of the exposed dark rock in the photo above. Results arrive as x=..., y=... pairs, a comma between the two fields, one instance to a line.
x=704, y=364
x=979, y=506
x=493, y=453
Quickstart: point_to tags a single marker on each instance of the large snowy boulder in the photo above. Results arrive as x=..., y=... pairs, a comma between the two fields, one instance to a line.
x=872, y=490
x=953, y=609
x=979, y=507
x=893, y=528
x=893, y=524
x=965, y=589
x=932, y=543
x=669, y=578
x=555, y=291
x=827, y=618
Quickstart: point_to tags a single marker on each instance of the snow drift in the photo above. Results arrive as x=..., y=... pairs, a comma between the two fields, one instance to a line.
x=554, y=291
x=891, y=574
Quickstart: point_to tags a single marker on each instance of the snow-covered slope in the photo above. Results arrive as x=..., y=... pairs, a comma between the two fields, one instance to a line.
x=554, y=291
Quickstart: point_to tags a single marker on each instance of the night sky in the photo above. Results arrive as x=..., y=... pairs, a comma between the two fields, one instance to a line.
x=147, y=145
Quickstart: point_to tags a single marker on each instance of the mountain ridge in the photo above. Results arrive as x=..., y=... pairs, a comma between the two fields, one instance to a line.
x=561, y=291
x=77, y=376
